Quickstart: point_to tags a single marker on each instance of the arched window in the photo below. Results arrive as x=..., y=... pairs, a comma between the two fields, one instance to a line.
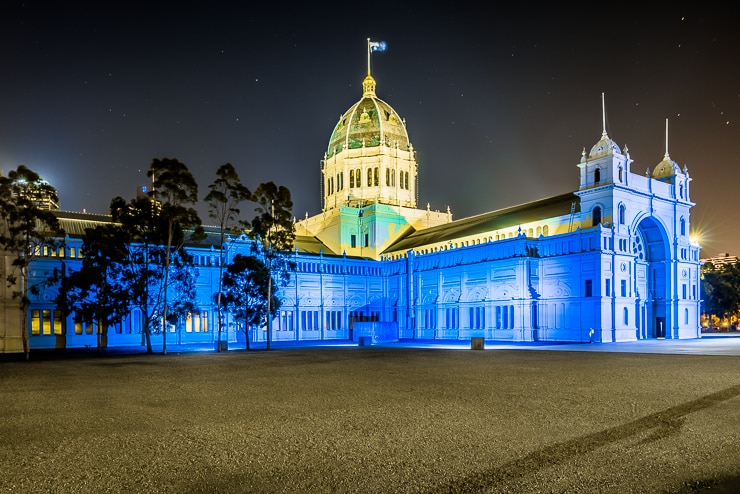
x=597, y=175
x=683, y=226
x=596, y=216
x=387, y=177
x=621, y=214
x=369, y=177
x=358, y=178
x=620, y=174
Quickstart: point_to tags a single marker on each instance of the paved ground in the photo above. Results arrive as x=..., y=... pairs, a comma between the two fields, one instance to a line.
x=660, y=416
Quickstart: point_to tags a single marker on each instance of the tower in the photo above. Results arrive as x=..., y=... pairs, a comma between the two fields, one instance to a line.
x=368, y=179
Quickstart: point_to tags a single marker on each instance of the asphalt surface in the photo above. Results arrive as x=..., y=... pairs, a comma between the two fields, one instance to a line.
x=650, y=417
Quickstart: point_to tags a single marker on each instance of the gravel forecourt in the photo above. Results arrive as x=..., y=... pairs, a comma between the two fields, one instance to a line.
x=379, y=419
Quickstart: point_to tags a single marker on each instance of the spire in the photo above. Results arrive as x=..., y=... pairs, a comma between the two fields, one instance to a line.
x=603, y=116
x=666, y=138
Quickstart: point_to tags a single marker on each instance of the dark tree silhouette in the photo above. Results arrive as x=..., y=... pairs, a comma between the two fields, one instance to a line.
x=175, y=191
x=273, y=232
x=98, y=293
x=225, y=196
x=245, y=293
x=27, y=228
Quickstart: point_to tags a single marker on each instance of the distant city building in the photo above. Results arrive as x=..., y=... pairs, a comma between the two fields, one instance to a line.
x=143, y=191
x=609, y=261
x=720, y=259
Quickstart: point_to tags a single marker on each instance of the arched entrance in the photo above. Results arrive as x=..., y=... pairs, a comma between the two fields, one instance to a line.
x=652, y=259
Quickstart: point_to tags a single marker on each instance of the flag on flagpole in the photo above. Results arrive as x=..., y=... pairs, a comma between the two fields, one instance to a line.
x=378, y=46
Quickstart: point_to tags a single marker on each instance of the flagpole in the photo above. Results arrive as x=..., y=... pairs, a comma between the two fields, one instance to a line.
x=368, y=56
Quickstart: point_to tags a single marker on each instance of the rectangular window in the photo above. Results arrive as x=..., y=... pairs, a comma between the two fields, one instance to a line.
x=35, y=321
x=367, y=240
x=623, y=287
x=46, y=321
x=511, y=317
x=353, y=241
x=57, y=322
x=683, y=291
x=588, y=288
x=608, y=288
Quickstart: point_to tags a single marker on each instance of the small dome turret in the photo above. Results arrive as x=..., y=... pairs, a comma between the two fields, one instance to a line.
x=604, y=147
x=666, y=168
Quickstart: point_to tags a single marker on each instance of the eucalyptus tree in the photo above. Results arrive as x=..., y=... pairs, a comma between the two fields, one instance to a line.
x=225, y=196
x=28, y=227
x=98, y=292
x=721, y=286
x=273, y=232
x=141, y=220
x=175, y=191
x=147, y=278
x=246, y=293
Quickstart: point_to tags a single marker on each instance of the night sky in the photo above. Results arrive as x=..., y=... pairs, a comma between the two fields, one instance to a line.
x=499, y=103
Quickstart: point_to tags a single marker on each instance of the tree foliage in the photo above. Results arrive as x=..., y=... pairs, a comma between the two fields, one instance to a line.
x=245, y=285
x=273, y=232
x=152, y=270
x=99, y=293
x=721, y=286
x=225, y=195
x=175, y=192
x=26, y=229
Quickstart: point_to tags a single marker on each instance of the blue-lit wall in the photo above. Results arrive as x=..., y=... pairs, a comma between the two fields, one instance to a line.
x=554, y=288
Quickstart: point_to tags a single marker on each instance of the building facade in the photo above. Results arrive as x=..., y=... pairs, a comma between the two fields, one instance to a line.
x=610, y=261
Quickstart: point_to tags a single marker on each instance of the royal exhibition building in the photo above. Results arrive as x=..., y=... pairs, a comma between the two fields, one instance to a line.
x=610, y=261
